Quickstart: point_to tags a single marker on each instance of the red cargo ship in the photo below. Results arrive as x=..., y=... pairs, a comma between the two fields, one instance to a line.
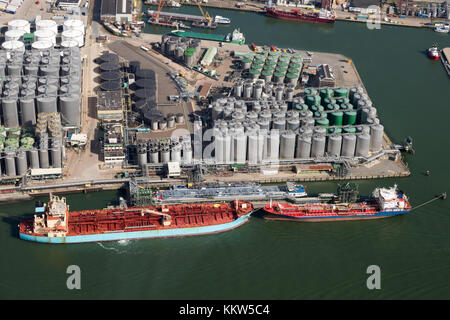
x=385, y=202
x=53, y=223
x=321, y=15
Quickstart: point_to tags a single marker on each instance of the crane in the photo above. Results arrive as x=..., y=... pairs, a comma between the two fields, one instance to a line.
x=161, y=4
x=204, y=14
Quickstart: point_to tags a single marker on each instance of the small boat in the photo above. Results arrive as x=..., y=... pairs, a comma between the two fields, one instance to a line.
x=223, y=20
x=204, y=24
x=433, y=53
x=442, y=28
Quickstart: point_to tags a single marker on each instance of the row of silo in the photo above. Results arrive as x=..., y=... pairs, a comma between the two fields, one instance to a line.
x=174, y=149
x=273, y=66
x=183, y=50
x=40, y=81
x=110, y=72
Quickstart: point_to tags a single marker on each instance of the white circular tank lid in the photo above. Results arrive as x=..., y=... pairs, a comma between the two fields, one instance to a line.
x=42, y=44
x=12, y=44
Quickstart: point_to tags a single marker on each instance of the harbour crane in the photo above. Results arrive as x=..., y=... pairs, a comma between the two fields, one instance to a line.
x=161, y=4
x=204, y=14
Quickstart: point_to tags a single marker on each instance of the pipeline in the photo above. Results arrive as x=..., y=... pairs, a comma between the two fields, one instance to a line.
x=442, y=196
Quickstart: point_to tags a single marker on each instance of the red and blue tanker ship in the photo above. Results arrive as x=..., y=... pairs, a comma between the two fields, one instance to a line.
x=54, y=223
x=384, y=202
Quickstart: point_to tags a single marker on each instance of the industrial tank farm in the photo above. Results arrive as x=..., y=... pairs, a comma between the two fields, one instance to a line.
x=184, y=50
x=266, y=122
x=41, y=90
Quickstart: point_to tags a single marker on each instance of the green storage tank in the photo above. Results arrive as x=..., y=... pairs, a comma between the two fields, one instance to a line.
x=335, y=118
x=335, y=130
x=310, y=100
x=282, y=64
x=349, y=117
x=281, y=69
x=340, y=92
x=271, y=63
x=269, y=68
x=324, y=122
x=313, y=108
x=257, y=66
x=349, y=130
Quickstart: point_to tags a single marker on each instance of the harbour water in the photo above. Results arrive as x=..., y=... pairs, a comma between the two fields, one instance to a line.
x=278, y=259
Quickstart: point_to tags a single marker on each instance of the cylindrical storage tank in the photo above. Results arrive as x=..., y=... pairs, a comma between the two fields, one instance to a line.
x=376, y=137
x=348, y=145
x=14, y=46
x=336, y=118
x=47, y=25
x=257, y=91
x=47, y=90
x=110, y=76
x=165, y=155
x=334, y=145
x=16, y=35
x=74, y=24
x=154, y=155
x=10, y=164
x=70, y=108
x=175, y=154
x=21, y=163
x=349, y=117
x=170, y=120
x=75, y=35
x=28, y=113
x=287, y=145
x=33, y=157
x=279, y=124
x=162, y=124
x=240, y=148
x=10, y=114
x=69, y=44
x=142, y=156
x=19, y=25
x=318, y=146
x=362, y=145
x=45, y=35
x=110, y=86
x=272, y=145
x=363, y=115
x=303, y=146
x=46, y=104
x=255, y=146
x=293, y=124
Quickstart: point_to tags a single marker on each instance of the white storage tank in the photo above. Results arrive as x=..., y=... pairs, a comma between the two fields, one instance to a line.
x=47, y=25
x=45, y=35
x=74, y=24
x=76, y=35
x=15, y=34
x=19, y=24
x=69, y=44
x=42, y=45
x=13, y=45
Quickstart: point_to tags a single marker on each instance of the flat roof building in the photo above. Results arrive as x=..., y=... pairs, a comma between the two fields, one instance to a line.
x=116, y=10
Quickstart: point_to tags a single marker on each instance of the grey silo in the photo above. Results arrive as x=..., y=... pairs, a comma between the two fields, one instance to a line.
x=170, y=121
x=218, y=147
x=255, y=146
x=162, y=124
x=292, y=123
x=13, y=70
x=263, y=124
x=239, y=116
x=318, y=146
x=154, y=155
x=55, y=153
x=227, y=151
x=334, y=144
x=11, y=85
x=319, y=130
x=257, y=91
x=21, y=162
x=142, y=155
x=33, y=157
x=31, y=70
x=28, y=112
x=10, y=114
x=237, y=90
x=303, y=146
x=46, y=104
x=175, y=154
x=279, y=124
x=362, y=145
x=240, y=148
x=248, y=88
x=48, y=71
x=279, y=93
x=165, y=155
x=46, y=81
x=179, y=118
x=376, y=137
x=154, y=124
x=49, y=90
x=187, y=154
x=348, y=145
x=272, y=145
x=10, y=164
x=44, y=162
x=289, y=94
x=287, y=145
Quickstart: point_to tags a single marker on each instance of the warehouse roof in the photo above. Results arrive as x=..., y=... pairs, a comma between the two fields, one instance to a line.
x=113, y=7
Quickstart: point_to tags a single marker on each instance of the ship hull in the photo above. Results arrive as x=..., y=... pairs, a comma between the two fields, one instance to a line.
x=311, y=218
x=288, y=16
x=133, y=235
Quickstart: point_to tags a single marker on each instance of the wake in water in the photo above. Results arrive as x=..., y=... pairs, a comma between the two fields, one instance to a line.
x=113, y=247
